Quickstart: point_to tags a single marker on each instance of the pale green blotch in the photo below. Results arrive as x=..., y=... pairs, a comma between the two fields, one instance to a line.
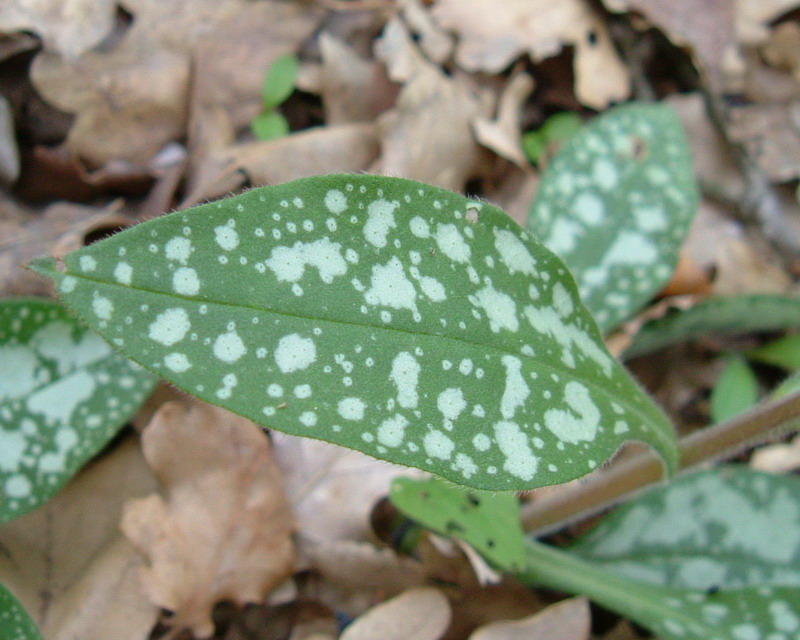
x=417, y=326
x=64, y=393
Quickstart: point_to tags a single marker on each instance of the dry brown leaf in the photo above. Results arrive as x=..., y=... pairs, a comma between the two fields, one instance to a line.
x=361, y=565
x=332, y=489
x=223, y=529
x=69, y=564
x=428, y=135
x=353, y=89
x=9, y=152
x=492, y=36
x=706, y=26
x=418, y=614
x=753, y=18
x=777, y=458
x=503, y=135
x=132, y=100
x=343, y=148
x=434, y=41
x=783, y=49
x=67, y=27
x=25, y=235
x=771, y=135
x=567, y=620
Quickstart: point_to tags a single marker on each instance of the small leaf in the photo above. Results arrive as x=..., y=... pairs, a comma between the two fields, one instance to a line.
x=64, y=393
x=270, y=126
x=388, y=316
x=487, y=521
x=556, y=130
x=15, y=623
x=279, y=81
x=736, y=390
x=730, y=314
x=783, y=352
x=789, y=385
x=615, y=204
x=705, y=531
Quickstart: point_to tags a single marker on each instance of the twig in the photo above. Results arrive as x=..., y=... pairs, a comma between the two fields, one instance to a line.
x=707, y=445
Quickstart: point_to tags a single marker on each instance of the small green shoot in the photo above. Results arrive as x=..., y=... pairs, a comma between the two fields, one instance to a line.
x=736, y=390
x=279, y=83
x=545, y=141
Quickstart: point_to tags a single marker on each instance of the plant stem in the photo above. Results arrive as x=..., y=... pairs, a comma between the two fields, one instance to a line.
x=550, y=567
x=635, y=473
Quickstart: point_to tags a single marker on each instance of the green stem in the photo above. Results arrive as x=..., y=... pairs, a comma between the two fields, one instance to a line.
x=711, y=444
x=562, y=571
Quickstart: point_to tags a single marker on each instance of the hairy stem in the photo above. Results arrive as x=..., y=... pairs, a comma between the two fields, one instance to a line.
x=633, y=474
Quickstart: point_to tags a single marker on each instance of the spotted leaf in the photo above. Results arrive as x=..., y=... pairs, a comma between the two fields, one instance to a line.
x=15, y=623
x=64, y=392
x=725, y=314
x=705, y=531
x=488, y=521
x=388, y=316
x=615, y=203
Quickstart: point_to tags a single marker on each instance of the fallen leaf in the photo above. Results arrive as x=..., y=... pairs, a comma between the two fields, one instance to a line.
x=332, y=489
x=705, y=26
x=503, y=135
x=59, y=230
x=67, y=27
x=687, y=278
x=359, y=566
x=435, y=42
x=9, y=152
x=753, y=18
x=490, y=39
x=783, y=48
x=352, y=88
x=68, y=563
x=132, y=100
x=223, y=529
x=567, y=620
x=418, y=614
x=414, y=142
x=771, y=135
x=777, y=458
x=343, y=148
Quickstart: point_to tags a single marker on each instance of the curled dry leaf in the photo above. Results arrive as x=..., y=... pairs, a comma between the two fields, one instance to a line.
x=502, y=135
x=67, y=27
x=223, y=529
x=771, y=134
x=567, y=620
x=69, y=564
x=418, y=614
x=490, y=39
x=414, y=142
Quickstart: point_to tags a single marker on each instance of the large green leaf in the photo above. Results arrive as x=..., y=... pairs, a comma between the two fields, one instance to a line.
x=725, y=527
x=15, y=623
x=64, y=392
x=381, y=314
x=615, y=204
x=698, y=610
x=728, y=314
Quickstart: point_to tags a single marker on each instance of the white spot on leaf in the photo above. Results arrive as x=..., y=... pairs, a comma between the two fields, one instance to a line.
x=380, y=221
x=185, y=282
x=565, y=425
x=516, y=390
x=405, y=375
x=295, y=353
x=229, y=347
x=170, y=327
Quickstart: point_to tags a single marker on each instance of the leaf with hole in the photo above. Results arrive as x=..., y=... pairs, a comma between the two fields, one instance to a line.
x=64, y=393
x=15, y=623
x=729, y=314
x=736, y=390
x=384, y=315
x=487, y=521
x=616, y=203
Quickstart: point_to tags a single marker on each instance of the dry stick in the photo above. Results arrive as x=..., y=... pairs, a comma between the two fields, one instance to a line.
x=707, y=445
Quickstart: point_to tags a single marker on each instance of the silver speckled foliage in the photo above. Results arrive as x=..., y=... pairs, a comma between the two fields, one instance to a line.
x=15, y=623
x=64, y=393
x=385, y=315
x=615, y=204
